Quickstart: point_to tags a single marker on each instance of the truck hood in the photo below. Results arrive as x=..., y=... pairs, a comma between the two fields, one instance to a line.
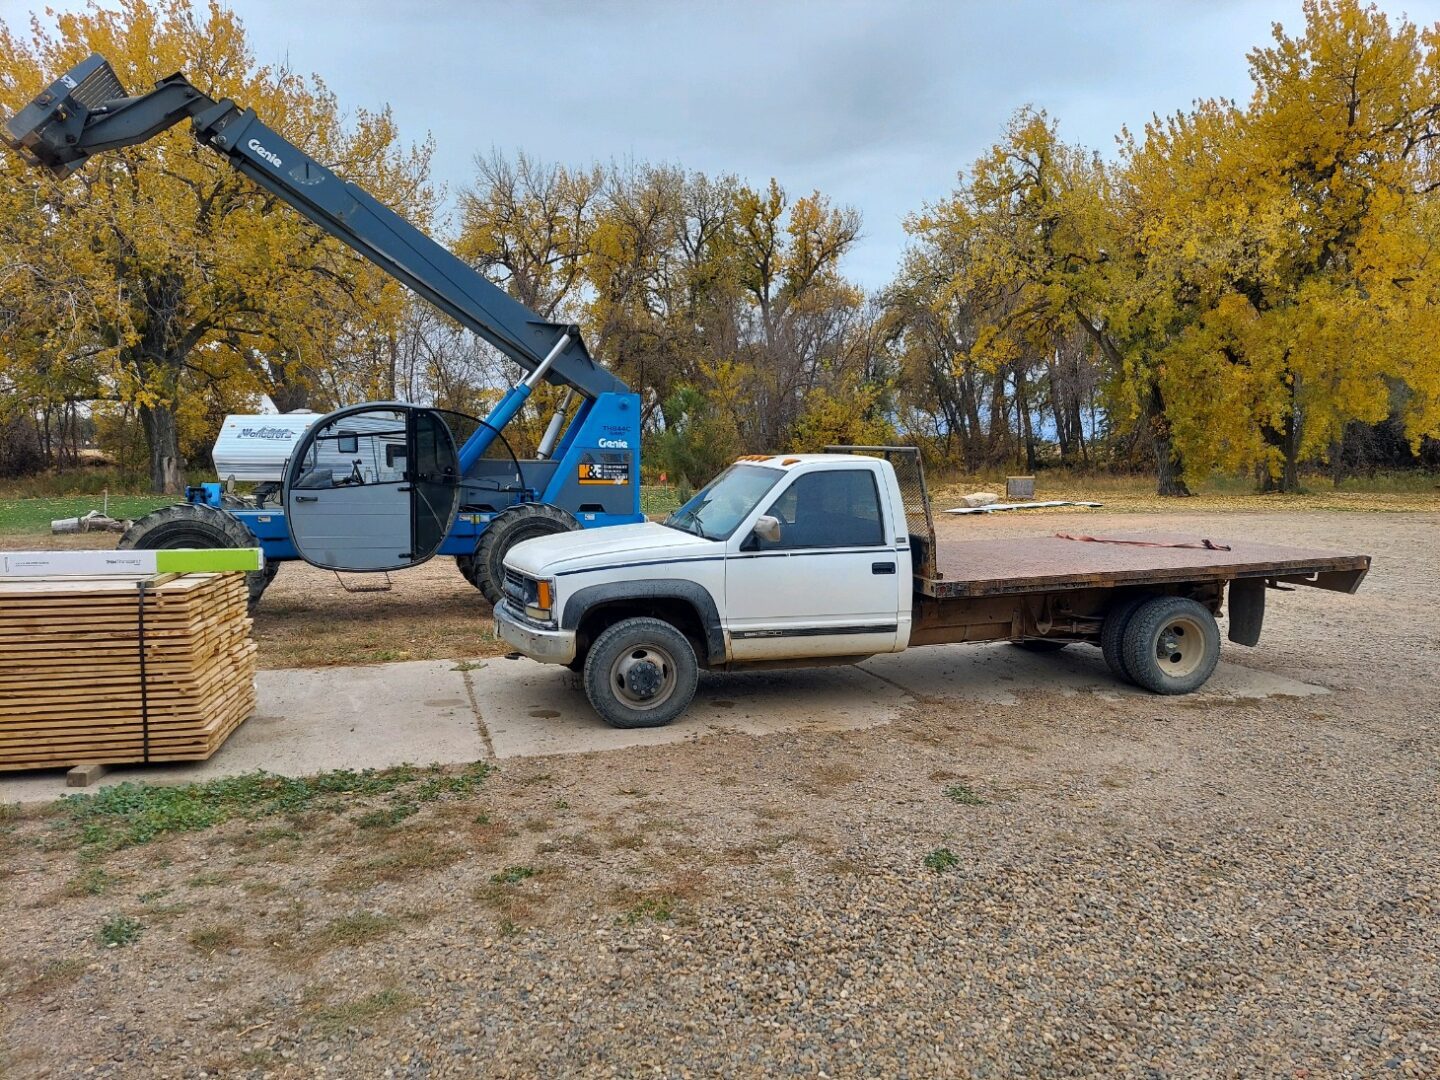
x=549, y=555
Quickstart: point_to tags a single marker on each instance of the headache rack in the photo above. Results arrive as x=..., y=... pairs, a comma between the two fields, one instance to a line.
x=910, y=475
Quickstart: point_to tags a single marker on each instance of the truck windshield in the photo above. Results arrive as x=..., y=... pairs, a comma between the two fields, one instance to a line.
x=717, y=509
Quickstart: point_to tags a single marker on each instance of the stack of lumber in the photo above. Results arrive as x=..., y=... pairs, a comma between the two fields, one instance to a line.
x=99, y=670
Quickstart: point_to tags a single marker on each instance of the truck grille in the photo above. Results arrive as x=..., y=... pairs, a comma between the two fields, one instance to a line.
x=514, y=589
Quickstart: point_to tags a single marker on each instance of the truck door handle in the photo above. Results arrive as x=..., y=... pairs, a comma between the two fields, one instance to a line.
x=882, y=567
x=307, y=498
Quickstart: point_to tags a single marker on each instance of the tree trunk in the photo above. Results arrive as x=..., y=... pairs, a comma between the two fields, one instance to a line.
x=1169, y=470
x=162, y=435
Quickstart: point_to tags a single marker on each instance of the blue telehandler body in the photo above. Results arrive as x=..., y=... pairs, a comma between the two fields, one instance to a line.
x=383, y=485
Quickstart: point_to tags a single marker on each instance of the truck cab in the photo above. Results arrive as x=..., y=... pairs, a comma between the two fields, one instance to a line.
x=781, y=558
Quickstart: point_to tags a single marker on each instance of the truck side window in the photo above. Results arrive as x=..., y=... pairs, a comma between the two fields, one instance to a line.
x=828, y=509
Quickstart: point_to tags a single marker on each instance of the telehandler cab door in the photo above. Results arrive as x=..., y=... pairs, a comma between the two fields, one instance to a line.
x=372, y=487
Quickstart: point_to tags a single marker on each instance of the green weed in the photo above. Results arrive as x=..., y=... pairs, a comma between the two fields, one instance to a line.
x=119, y=930
x=965, y=796
x=941, y=859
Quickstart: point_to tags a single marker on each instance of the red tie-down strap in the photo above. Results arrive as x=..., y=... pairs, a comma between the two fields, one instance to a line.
x=1207, y=545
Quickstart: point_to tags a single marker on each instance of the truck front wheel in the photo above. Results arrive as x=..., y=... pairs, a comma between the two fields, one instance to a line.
x=641, y=673
x=1171, y=645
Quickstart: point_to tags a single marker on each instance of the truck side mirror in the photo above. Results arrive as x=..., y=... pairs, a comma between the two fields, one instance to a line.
x=767, y=528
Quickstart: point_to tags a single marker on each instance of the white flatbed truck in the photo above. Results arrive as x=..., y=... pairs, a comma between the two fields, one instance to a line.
x=809, y=559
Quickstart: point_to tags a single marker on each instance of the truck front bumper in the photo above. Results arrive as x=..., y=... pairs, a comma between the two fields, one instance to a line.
x=547, y=646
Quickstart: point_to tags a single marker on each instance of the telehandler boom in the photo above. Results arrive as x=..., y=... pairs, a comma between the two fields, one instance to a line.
x=384, y=485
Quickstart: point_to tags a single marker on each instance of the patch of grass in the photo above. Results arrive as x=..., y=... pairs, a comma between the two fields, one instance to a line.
x=119, y=930
x=135, y=813
x=467, y=665
x=357, y=929
x=941, y=859
x=34, y=515
x=212, y=939
x=385, y=817
x=56, y=975
x=657, y=501
x=964, y=795
x=1406, y=490
x=334, y=1019
x=513, y=875
x=651, y=909
x=93, y=882
x=412, y=853
x=210, y=879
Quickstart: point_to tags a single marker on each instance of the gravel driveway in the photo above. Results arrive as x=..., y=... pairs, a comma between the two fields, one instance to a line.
x=1067, y=886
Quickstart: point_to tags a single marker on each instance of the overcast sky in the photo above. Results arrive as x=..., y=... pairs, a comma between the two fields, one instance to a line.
x=876, y=104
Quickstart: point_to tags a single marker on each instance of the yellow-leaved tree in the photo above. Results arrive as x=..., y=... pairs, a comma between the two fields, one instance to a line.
x=160, y=279
x=1293, y=242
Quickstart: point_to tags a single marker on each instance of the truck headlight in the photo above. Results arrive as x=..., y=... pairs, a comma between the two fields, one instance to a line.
x=540, y=599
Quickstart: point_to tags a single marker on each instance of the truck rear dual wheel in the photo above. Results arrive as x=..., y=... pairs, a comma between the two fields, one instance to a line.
x=641, y=673
x=1112, y=634
x=187, y=525
x=1170, y=645
x=486, y=568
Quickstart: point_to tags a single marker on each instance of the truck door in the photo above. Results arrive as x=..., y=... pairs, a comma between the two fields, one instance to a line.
x=373, y=487
x=828, y=586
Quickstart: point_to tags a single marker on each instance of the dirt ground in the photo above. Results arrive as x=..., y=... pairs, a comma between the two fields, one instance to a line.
x=1069, y=886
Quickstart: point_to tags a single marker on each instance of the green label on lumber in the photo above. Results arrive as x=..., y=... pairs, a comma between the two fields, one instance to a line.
x=206, y=560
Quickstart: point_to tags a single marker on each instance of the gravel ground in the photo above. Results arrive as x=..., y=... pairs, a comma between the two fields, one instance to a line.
x=1141, y=887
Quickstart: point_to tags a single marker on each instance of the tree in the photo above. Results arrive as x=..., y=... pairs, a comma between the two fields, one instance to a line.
x=160, y=268
x=1293, y=241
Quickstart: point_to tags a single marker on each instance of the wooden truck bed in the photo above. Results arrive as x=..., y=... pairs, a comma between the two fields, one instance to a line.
x=1013, y=565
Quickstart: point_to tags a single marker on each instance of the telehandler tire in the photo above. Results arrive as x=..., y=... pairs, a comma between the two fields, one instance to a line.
x=185, y=525
x=1172, y=645
x=641, y=673
x=506, y=529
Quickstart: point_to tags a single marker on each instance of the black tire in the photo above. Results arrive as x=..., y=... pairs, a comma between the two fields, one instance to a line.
x=471, y=570
x=186, y=525
x=1171, y=645
x=654, y=650
x=506, y=529
x=1112, y=634
x=1040, y=645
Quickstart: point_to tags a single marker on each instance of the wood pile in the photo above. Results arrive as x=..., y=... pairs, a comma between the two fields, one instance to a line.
x=122, y=669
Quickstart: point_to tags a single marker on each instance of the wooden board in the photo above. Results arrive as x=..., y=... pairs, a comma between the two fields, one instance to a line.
x=97, y=670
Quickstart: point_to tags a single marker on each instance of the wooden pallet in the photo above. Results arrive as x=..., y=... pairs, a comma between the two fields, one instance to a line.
x=101, y=670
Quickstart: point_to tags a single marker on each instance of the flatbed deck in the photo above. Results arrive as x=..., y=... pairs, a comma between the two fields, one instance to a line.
x=1016, y=565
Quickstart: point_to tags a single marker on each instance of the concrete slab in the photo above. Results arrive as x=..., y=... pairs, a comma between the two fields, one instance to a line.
x=532, y=709
x=996, y=674
x=442, y=711
x=314, y=720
